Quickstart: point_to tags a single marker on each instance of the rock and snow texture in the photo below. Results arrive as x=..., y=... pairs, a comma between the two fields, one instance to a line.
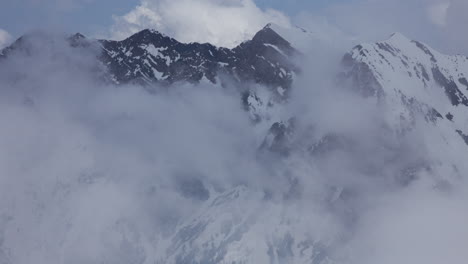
x=262, y=68
x=421, y=92
x=415, y=81
x=151, y=57
x=236, y=227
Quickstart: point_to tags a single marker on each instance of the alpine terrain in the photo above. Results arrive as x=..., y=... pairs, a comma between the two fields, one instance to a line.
x=402, y=111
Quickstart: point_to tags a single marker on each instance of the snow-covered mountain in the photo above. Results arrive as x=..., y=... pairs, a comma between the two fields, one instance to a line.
x=149, y=57
x=412, y=80
x=153, y=57
x=421, y=93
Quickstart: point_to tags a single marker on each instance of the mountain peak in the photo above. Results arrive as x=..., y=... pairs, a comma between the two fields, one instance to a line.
x=269, y=25
x=270, y=36
x=78, y=36
x=397, y=37
x=266, y=31
x=150, y=32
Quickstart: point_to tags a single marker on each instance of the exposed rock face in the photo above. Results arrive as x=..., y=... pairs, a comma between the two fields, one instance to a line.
x=412, y=78
x=151, y=57
x=246, y=225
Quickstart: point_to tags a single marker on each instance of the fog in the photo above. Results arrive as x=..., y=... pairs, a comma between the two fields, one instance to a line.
x=438, y=22
x=91, y=172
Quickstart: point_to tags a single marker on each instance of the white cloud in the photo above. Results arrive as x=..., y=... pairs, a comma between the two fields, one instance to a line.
x=5, y=38
x=438, y=13
x=438, y=23
x=220, y=22
x=456, y=21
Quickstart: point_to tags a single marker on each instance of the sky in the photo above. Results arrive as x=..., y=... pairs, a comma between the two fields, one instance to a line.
x=430, y=21
x=91, y=16
x=229, y=22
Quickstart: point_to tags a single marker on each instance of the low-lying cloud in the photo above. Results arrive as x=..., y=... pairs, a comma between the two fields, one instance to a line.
x=5, y=38
x=82, y=162
x=95, y=173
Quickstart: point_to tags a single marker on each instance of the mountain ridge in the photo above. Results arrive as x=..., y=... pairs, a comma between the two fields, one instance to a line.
x=419, y=90
x=150, y=57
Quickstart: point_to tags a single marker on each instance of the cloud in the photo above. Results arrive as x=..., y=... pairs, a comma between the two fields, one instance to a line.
x=435, y=22
x=92, y=173
x=417, y=225
x=101, y=172
x=438, y=13
x=220, y=22
x=456, y=20
x=5, y=38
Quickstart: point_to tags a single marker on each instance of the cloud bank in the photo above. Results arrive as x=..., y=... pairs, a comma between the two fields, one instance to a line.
x=221, y=23
x=93, y=173
x=102, y=171
x=5, y=38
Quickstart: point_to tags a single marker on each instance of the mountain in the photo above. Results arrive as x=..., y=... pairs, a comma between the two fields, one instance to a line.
x=237, y=226
x=423, y=95
x=413, y=83
x=414, y=80
x=150, y=57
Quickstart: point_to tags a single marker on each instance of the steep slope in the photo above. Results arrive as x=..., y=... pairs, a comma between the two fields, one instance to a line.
x=413, y=80
x=241, y=226
x=152, y=57
x=262, y=69
x=149, y=57
x=420, y=90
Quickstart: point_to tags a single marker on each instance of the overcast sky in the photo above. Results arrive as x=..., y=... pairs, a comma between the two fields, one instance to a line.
x=91, y=16
x=227, y=22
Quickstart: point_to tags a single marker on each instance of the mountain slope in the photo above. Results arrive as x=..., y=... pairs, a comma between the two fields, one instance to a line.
x=421, y=91
x=152, y=57
x=323, y=182
x=413, y=80
x=149, y=57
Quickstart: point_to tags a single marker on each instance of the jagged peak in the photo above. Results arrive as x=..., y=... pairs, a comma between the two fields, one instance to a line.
x=78, y=36
x=77, y=39
x=398, y=37
x=266, y=29
x=149, y=31
x=268, y=35
x=269, y=25
x=403, y=43
x=273, y=27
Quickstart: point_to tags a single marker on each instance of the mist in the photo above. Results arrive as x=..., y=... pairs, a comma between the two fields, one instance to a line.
x=92, y=172
x=438, y=22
